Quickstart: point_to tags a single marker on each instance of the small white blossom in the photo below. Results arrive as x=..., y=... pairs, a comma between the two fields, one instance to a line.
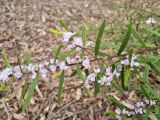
x=52, y=68
x=77, y=42
x=18, y=75
x=86, y=63
x=150, y=21
x=87, y=85
x=118, y=117
x=63, y=66
x=67, y=36
x=43, y=73
x=139, y=104
x=118, y=111
x=91, y=77
x=97, y=70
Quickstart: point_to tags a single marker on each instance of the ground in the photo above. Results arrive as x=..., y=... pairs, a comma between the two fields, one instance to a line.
x=24, y=25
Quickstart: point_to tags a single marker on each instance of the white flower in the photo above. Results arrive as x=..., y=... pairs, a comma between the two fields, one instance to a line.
x=118, y=117
x=67, y=36
x=139, y=104
x=97, y=70
x=152, y=102
x=87, y=85
x=31, y=67
x=125, y=62
x=4, y=75
x=132, y=63
x=86, y=63
x=63, y=66
x=118, y=111
x=52, y=68
x=108, y=71
x=91, y=77
x=102, y=80
x=43, y=73
x=138, y=111
x=150, y=21
x=33, y=75
x=77, y=42
x=18, y=75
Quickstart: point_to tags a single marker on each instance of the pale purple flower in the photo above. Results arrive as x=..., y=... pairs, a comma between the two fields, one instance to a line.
x=118, y=117
x=52, y=68
x=150, y=21
x=63, y=66
x=139, y=104
x=67, y=36
x=86, y=63
x=97, y=70
x=118, y=111
x=17, y=75
x=91, y=77
x=87, y=85
x=77, y=42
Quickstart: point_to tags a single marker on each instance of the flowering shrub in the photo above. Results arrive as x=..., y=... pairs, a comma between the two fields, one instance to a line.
x=88, y=62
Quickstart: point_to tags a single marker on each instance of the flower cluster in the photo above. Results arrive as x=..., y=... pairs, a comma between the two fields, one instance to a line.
x=44, y=69
x=130, y=63
x=105, y=79
x=75, y=42
x=139, y=108
x=150, y=21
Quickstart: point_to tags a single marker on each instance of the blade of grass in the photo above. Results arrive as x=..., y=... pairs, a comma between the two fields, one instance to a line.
x=62, y=23
x=125, y=40
x=153, y=66
x=60, y=87
x=99, y=37
x=138, y=37
x=57, y=53
x=152, y=31
x=30, y=93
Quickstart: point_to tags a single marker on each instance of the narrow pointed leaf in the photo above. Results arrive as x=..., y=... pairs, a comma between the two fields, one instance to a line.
x=30, y=93
x=153, y=31
x=138, y=37
x=62, y=23
x=154, y=67
x=60, y=87
x=54, y=31
x=99, y=37
x=125, y=40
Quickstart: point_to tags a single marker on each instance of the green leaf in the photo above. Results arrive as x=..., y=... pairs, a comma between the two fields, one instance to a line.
x=27, y=57
x=153, y=66
x=138, y=37
x=126, y=77
x=157, y=112
x=144, y=92
x=23, y=91
x=152, y=31
x=30, y=93
x=79, y=72
x=96, y=86
x=125, y=40
x=81, y=76
x=110, y=113
x=60, y=87
x=57, y=53
x=5, y=59
x=99, y=37
x=116, y=102
x=122, y=78
x=54, y=31
x=108, y=44
x=146, y=73
x=62, y=23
